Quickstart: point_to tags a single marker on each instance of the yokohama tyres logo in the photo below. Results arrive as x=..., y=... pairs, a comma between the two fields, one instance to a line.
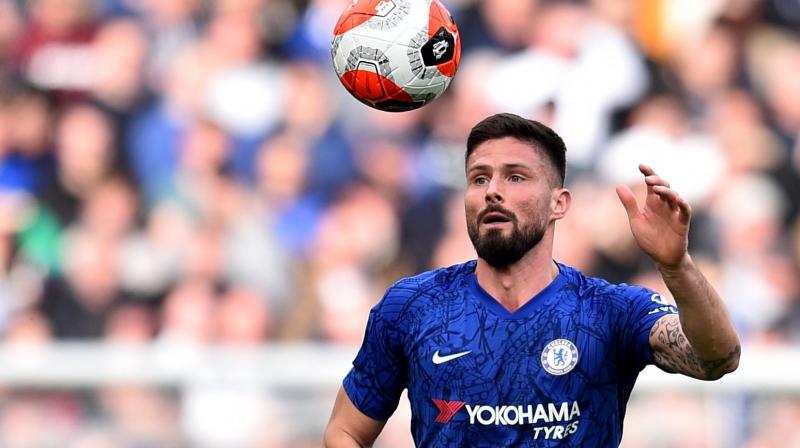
x=548, y=421
x=447, y=409
x=504, y=414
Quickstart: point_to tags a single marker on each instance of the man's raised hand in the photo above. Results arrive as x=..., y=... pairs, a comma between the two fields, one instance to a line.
x=661, y=227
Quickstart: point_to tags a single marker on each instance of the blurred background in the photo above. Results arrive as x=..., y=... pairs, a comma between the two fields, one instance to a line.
x=195, y=217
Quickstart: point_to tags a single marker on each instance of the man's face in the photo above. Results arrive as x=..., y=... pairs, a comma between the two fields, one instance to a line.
x=508, y=199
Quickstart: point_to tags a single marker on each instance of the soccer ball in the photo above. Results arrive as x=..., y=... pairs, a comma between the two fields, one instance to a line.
x=395, y=55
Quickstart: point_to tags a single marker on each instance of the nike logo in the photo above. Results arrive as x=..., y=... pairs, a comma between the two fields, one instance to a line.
x=437, y=359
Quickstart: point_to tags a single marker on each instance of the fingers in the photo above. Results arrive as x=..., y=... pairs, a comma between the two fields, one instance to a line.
x=674, y=201
x=654, y=180
x=651, y=179
x=646, y=169
x=650, y=176
x=658, y=186
x=628, y=200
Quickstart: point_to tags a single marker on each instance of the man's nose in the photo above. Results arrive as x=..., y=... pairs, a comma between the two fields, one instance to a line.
x=493, y=193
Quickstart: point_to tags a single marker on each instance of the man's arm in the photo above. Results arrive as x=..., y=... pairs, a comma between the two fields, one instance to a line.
x=701, y=342
x=349, y=427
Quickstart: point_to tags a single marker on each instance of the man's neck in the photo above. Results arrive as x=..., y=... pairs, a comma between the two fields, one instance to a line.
x=514, y=285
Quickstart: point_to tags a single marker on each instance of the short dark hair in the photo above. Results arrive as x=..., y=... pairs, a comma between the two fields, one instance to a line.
x=537, y=134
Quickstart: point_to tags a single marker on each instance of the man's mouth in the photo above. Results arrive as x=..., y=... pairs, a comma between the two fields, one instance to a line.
x=495, y=218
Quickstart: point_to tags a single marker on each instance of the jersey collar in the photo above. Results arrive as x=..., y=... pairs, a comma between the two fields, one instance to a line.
x=527, y=309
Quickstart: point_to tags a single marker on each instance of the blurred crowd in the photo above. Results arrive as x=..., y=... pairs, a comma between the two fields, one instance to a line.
x=190, y=172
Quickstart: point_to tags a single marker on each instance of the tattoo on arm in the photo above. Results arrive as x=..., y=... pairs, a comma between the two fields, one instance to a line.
x=673, y=352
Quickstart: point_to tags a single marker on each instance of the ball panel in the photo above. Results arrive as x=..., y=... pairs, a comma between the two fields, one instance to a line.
x=375, y=14
x=354, y=15
x=438, y=17
x=366, y=84
x=394, y=53
x=389, y=14
x=422, y=72
x=426, y=94
x=337, y=63
x=376, y=90
x=440, y=21
x=439, y=49
x=349, y=22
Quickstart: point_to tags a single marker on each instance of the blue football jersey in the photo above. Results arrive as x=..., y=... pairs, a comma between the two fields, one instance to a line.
x=556, y=372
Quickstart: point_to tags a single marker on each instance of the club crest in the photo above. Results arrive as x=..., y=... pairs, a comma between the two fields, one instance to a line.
x=559, y=357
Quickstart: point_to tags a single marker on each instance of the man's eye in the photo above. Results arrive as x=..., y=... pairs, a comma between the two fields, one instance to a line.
x=515, y=178
x=481, y=180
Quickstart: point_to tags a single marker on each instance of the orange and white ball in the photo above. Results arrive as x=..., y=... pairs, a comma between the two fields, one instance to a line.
x=396, y=55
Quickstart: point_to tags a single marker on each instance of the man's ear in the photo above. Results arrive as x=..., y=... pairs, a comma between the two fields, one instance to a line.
x=562, y=199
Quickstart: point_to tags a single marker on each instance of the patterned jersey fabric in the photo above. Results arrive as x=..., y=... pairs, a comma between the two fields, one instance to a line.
x=556, y=372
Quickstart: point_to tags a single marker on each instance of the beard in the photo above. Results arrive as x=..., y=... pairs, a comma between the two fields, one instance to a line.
x=500, y=251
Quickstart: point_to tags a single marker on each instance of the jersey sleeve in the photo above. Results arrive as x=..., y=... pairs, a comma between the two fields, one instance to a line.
x=645, y=307
x=379, y=371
